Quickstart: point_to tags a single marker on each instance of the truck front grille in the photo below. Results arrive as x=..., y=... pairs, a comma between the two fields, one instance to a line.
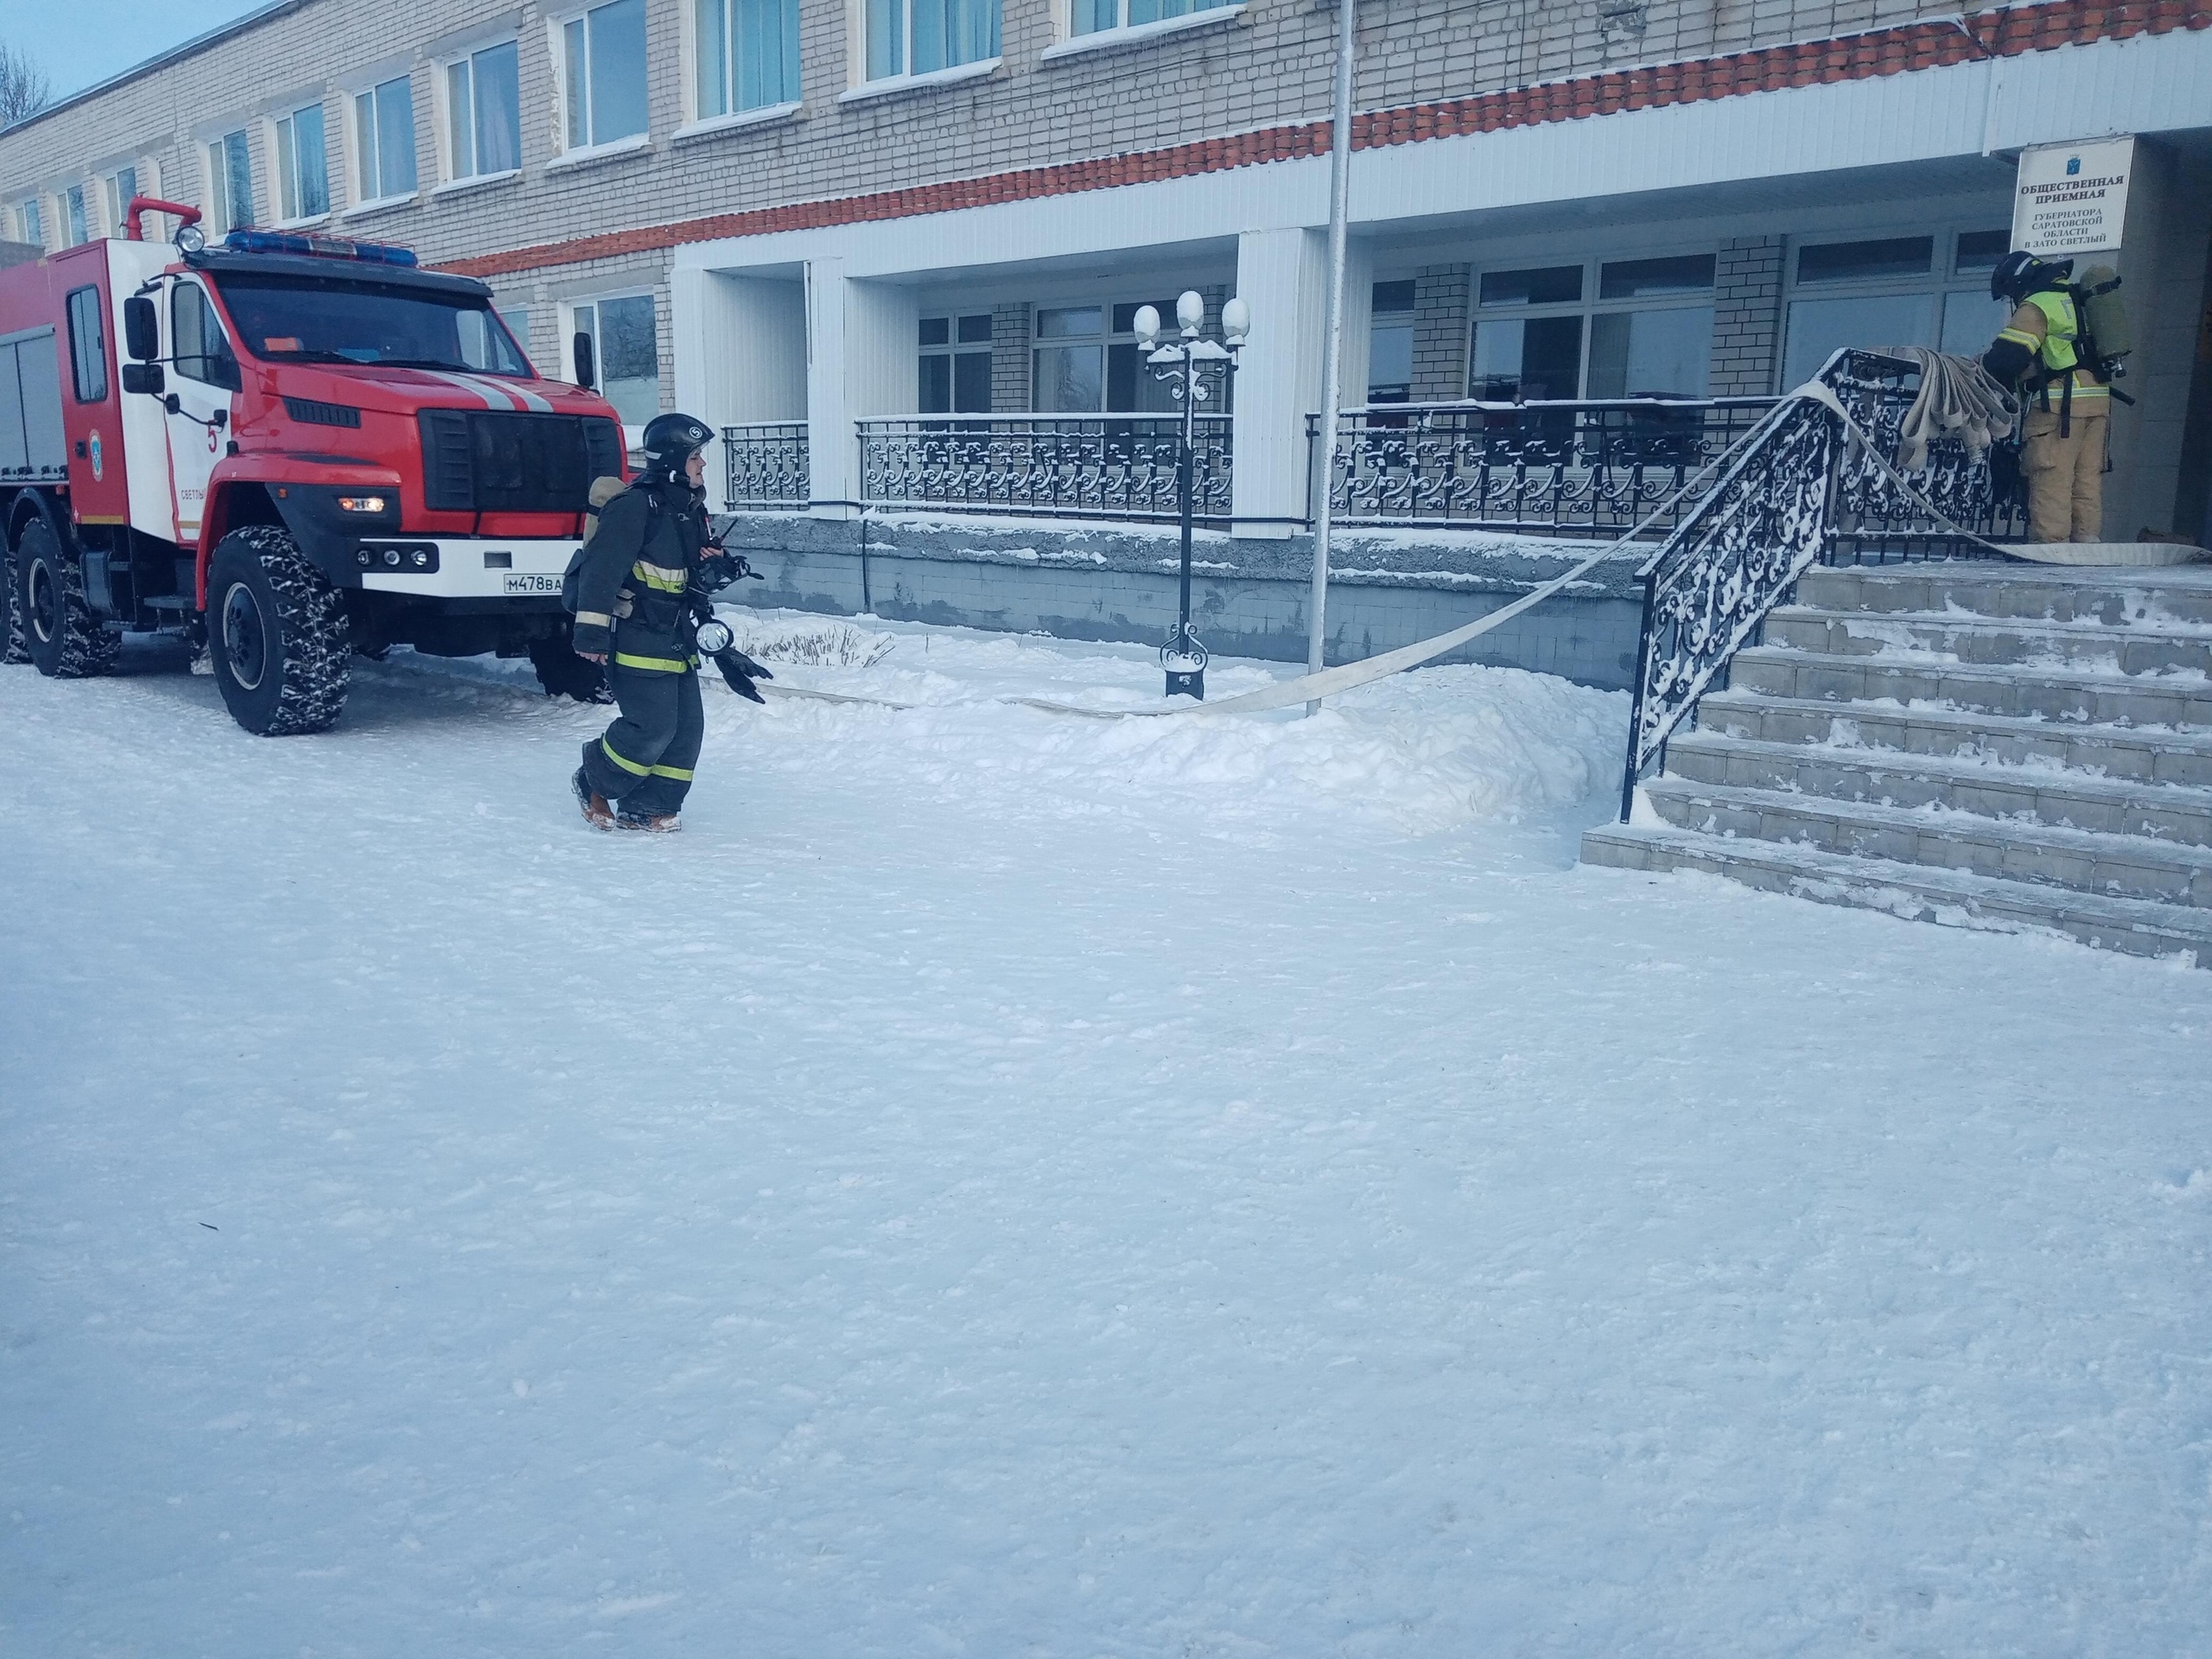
x=485, y=460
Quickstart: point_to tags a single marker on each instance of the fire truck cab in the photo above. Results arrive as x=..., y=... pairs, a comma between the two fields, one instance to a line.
x=293, y=448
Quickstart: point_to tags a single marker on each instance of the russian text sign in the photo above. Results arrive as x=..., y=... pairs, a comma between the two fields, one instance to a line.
x=2071, y=198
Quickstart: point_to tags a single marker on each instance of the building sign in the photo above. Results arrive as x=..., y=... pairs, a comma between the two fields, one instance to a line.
x=2072, y=198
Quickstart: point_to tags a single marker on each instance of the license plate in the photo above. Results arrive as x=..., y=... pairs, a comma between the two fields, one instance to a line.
x=521, y=582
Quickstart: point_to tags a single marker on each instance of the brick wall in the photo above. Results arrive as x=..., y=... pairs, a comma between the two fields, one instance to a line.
x=1439, y=332
x=1746, y=316
x=1010, y=371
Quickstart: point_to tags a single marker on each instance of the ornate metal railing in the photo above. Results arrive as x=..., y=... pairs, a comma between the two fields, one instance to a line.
x=1077, y=467
x=764, y=466
x=1552, y=469
x=1801, y=490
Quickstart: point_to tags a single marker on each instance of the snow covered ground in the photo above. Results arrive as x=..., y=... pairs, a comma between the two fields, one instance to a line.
x=1006, y=1184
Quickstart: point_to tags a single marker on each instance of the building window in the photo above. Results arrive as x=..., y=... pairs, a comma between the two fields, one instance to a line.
x=122, y=187
x=749, y=55
x=917, y=37
x=302, y=169
x=1612, y=329
x=1390, y=344
x=75, y=220
x=1089, y=16
x=87, y=346
x=483, y=113
x=956, y=364
x=603, y=81
x=30, y=220
x=383, y=138
x=626, y=348
x=1070, y=360
x=1130, y=383
x=1905, y=291
x=230, y=183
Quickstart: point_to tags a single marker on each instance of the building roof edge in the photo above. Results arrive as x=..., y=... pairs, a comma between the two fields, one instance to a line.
x=198, y=43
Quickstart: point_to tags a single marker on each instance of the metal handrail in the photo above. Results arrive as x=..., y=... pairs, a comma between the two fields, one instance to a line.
x=1107, y=466
x=766, y=467
x=1795, y=494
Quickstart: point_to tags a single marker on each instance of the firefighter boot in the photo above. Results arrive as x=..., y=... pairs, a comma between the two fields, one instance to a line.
x=659, y=824
x=597, y=813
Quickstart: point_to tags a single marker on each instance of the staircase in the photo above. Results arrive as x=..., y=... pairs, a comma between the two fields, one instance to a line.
x=1983, y=745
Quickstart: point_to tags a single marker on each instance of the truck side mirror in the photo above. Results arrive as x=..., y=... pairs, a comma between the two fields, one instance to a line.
x=587, y=368
x=145, y=377
x=141, y=329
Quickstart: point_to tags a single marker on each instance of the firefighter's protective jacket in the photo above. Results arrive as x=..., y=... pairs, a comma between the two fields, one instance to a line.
x=2040, y=337
x=630, y=589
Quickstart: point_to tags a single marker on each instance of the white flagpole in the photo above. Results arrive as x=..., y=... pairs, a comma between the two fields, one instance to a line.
x=1332, y=343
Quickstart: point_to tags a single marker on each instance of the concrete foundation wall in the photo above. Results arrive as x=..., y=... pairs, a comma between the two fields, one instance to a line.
x=1248, y=599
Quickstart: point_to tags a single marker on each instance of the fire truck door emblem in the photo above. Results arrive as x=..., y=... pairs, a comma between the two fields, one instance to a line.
x=98, y=459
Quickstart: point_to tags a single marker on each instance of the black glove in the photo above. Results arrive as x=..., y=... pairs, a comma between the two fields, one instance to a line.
x=720, y=569
x=740, y=670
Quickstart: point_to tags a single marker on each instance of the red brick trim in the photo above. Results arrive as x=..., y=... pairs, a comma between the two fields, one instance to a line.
x=1921, y=45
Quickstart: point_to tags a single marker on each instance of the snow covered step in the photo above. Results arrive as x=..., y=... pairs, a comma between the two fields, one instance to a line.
x=2089, y=646
x=1957, y=897
x=2043, y=795
x=2144, y=755
x=2114, y=597
x=2014, y=690
x=2129, y=866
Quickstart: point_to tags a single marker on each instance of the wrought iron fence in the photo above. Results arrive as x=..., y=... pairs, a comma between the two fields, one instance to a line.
x=1081, y=466
x=764, y=466
x=1553, y=469
x=1800, y=491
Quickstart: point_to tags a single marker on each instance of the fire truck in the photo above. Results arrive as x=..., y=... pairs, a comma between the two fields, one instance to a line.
x=306, y=448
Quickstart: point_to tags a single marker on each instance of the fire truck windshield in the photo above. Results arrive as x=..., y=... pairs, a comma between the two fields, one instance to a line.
x=287, y=319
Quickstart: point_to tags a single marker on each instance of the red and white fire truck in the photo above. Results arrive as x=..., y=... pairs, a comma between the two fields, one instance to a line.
x=308, y=448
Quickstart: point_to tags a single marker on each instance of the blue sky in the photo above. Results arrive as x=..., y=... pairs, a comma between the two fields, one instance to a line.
x=84, y=41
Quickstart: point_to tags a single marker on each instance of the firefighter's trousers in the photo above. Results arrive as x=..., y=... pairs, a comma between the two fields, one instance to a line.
x=644, y=761
x=2066, y=476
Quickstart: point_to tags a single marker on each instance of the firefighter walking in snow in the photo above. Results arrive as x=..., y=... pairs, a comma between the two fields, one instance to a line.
x=635, y=612
x=2046, y=350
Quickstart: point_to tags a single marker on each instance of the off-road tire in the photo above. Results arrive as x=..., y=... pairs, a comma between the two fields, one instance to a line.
x=46, y=588
x=564, y=673
x=276, y=632
x=12, y=648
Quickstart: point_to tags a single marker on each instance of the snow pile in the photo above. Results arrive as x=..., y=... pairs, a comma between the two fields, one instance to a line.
x=1417, y=754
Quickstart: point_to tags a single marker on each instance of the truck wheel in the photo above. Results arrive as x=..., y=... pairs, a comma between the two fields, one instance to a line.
x=64, y=640
x=564, y=673
x=276, y=632
x=12, y=648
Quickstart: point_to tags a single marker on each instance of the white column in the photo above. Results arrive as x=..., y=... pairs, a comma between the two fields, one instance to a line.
x=861, y=362
x=1284, y=276
x=740, y=347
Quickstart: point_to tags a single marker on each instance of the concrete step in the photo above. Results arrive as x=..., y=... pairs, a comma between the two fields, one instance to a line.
x=2115, y=596
x=2041, y=795
x=2142, y=754
x=2011, y=690
x=1954, y=897
x=2126, y=867
x=2089, y=647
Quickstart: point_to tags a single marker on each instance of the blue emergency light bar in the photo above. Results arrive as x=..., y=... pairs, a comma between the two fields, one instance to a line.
x=320, y=247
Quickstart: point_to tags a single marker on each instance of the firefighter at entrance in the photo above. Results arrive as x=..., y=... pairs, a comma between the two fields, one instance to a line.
x=2067, y=403
x=634, y=612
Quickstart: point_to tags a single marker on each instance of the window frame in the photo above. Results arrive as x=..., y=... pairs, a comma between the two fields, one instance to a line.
x=284, y=136
x=118, y=205
x=564, y=108
x=1070, y=40
x=77, y=216
x=952, y=350
x=1939, y=283
x=697, y=117
x=80, y=358
x=1377, y=318
x=1589, y=305
x=442, y=95
x=872, y=85
x=366, y=143
x=632, y=431
x=215, y=156
x=31, y=218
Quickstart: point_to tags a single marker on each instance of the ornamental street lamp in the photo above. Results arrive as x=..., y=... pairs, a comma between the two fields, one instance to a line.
x=1182, y=364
